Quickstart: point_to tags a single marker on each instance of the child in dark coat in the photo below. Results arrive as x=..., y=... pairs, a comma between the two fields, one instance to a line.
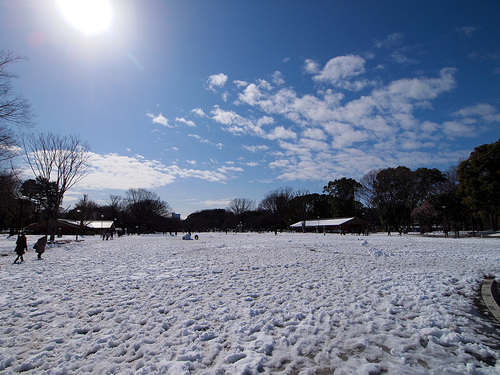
x=40, y=246
x=21, y=246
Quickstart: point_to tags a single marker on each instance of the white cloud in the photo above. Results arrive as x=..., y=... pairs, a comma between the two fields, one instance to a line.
x=216, y=203
x=239, y=83
x=225, y=117
x=314, y=144
x=420, y=89
x=118, y=172
x=304, y=170
x=392, y=40
x=313, y=108
x=225, y=169
x=281, y=133
x=278, y=78
x=344, y=135
x=471, y=120
x=429, y=127
x=113, y=171
x=382, y=121
x=468, y=31
x=485, y=112
x=265, y=120
x=199, y=112
x=206, y=141
x=326, y=134
x=324, y=166
x=207, y=175
x=281, y=163
x=339, y=71
x=285, y=101
x=311, y=67
x=160, y=119
x=460, y=128
x=217, y=81
x=237, y=124
x=401, y=58
x=254, y=92
x=184, y=121
x=399, y=53
x=256, y=148
x=251, y=95
x=314, y=133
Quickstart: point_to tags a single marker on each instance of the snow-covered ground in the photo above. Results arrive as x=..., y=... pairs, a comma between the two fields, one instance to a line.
x=249, y=303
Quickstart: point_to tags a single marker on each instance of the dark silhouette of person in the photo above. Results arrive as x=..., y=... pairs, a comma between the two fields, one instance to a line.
x=40, y=246
x=21, y=247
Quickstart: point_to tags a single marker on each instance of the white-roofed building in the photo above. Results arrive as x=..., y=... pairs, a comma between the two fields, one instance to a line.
x=341, y=225
x=65, y=227
x=97, y=226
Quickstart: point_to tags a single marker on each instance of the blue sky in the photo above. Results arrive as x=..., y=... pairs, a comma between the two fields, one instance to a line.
x=206, y=101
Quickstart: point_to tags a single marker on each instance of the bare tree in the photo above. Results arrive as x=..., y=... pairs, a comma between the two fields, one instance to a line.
x=134, y=196
x=62, y=160
x=367, y=191
x=302, y=205
x=14, y=108
x=86, y=209
x=115, y=206
x=241, y=205
x=145, y=209
x=114, y=202
x=8, y=144
x=277, y=203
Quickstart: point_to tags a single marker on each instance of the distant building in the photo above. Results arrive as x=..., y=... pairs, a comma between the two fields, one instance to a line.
x=100, y=226
x=176, y=216
x=65, y=227
x=342, y=225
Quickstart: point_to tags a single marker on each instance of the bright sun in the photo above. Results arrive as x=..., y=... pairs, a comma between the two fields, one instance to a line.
x=88, y=16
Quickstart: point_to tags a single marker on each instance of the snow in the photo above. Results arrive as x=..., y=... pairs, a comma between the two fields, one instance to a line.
x=249, y=303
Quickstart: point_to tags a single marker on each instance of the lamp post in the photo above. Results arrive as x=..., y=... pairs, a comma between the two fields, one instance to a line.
x=79, y=227
x=102, y=225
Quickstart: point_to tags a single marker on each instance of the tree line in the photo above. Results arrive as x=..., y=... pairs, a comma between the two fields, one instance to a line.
x=464, y=197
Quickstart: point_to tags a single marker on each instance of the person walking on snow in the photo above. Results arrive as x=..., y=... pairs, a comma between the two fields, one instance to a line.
x=21, y=246
x=40, y=246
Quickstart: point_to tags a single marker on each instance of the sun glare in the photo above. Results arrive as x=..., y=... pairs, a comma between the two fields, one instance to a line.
x=88, y=16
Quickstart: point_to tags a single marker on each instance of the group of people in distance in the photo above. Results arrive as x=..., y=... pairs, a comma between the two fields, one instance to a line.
x=22, y=246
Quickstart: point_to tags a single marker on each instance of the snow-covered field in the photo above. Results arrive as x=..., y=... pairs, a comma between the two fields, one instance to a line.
x=249, y=303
